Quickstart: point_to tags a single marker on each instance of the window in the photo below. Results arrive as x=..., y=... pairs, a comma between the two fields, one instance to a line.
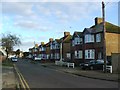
x=35, y=49
x=68, y=55
x=47, y=56
x=51, y=56
x=51, y=46
x=77, y=41
x=78, y=54
x=81, y=40
x=40, y=55
x=98, y=37
x=89, y=38
x=90, y=54
x=100, y=55
x=57, y=46
x=57, y=56
x=73, y=44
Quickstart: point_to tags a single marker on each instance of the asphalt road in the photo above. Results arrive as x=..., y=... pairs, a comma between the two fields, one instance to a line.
x=38, y=76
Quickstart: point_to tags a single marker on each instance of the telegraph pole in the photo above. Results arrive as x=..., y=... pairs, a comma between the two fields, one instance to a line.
x=104, y=41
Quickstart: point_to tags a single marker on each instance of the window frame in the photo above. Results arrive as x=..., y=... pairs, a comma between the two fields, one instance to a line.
x=89, y=38
x=90, y=54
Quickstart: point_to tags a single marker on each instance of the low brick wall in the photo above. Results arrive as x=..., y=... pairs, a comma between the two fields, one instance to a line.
x=2, y=58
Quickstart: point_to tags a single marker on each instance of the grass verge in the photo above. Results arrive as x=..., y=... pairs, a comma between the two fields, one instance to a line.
x=7, y=62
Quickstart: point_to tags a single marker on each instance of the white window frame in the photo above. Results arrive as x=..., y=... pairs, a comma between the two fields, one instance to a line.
x=98, y=37
x=68, y=55
x=89, y=38
x=77, y=40
x=79, y=54
x=90, y=54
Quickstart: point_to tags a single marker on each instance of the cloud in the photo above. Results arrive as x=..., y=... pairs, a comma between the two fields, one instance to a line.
x=31, y=25
x=1, y=26
x=67, y=11
x=25, y=46
x=58, y=0
x=33, y=38
x=27, y=24
x=15, y=8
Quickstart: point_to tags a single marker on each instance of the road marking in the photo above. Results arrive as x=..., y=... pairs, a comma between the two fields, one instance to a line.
x=25, y=82
x=22, y=80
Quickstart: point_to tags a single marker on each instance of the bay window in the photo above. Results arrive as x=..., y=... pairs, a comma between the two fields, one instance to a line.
x=89, y=38
x=77, y=40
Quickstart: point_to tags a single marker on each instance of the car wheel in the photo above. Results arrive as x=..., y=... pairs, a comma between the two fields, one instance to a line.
x=91, y=67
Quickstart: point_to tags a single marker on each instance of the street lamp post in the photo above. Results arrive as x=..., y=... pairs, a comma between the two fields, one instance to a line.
x=104, y=41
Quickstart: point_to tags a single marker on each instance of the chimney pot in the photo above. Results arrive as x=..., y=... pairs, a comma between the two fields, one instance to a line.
x=98, y=20
x=66, y=33
x=51, y=39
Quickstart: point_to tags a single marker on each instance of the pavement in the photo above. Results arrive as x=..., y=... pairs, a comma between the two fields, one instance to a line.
x=95, y=74
x=9, y=78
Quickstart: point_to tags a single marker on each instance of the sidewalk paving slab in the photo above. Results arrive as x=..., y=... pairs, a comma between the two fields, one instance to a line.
x=96, y=74
x=8, y=78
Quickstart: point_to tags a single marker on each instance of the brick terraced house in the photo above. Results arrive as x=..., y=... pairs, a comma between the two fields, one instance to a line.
x=55, y=49
x=82, y=46
x=88, y=45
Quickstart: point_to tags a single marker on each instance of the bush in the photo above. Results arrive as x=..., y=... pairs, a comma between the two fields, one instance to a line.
x=7, y=62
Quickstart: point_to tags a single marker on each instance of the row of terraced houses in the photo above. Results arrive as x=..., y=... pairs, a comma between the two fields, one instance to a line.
x=81, y=46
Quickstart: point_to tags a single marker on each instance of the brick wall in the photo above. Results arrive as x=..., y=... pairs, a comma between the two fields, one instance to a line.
x=66, y=49
x=112, y=40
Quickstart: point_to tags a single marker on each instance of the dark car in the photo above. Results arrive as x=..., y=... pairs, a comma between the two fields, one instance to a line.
x=93, y=65
x=14, y=59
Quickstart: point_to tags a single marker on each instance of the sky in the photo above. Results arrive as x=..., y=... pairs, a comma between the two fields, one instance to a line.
x=38, y=20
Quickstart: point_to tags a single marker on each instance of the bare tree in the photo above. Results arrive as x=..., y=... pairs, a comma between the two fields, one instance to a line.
x=8, y=41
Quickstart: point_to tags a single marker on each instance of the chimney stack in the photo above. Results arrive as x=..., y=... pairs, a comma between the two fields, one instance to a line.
x=98, y=20
x=36, y=45
x=66, y=33
x=42, y=43
x=50, y=39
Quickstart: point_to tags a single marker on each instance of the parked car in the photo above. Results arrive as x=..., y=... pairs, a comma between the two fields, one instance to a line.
x=14, y=59
x=93, y=65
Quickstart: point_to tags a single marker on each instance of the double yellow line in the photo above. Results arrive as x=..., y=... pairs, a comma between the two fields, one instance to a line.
x=22, y=80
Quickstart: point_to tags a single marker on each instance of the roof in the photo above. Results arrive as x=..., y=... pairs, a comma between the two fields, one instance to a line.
x=110, y=28
x=66, y=39
x=47, y=44
x=76, y=33
x=57, y=40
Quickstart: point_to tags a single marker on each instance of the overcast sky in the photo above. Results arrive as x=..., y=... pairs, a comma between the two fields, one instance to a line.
x=39, y=20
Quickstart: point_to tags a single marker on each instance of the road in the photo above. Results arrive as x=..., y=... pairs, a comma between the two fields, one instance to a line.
x=38, y=76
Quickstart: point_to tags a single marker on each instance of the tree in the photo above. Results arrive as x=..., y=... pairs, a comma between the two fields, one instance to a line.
x=25, y=54
x=8, y=42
